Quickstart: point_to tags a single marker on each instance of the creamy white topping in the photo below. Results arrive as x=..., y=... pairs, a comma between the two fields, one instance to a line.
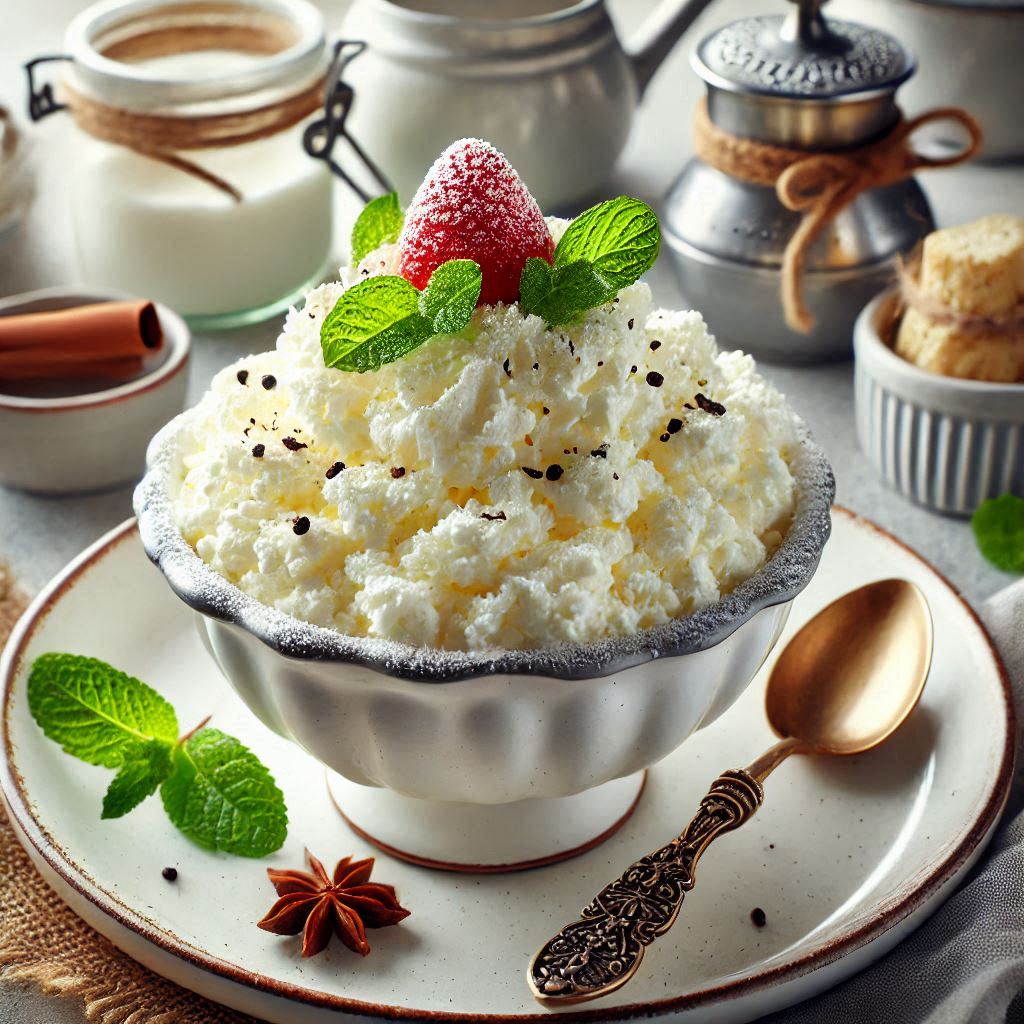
x=649, y=503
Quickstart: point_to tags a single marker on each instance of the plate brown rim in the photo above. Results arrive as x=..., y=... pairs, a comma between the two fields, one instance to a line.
x=12, y=788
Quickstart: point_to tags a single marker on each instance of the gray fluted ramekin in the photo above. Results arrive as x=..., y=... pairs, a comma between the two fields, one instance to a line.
x=942, y=442
x=494, y=726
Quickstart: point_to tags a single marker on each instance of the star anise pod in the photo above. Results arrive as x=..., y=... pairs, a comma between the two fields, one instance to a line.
x=315, y=904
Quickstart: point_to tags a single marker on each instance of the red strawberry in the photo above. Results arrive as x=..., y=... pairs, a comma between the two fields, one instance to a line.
x=472, y=205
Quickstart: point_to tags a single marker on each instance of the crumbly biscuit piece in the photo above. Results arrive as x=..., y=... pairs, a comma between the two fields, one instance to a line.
x=976, y=269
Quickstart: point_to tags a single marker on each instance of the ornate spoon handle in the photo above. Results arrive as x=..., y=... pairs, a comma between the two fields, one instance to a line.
x=603, y=949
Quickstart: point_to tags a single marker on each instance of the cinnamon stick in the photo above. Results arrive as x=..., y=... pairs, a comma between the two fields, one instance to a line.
x=102, y=340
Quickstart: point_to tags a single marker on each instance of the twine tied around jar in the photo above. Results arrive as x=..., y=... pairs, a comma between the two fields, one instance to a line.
x=185, y=28
x=820, y=185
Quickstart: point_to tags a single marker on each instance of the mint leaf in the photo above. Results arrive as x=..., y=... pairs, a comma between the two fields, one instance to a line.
x=222, y=797
x=381, y=221
x=375, y=322
x=141, y=773
x=451, y=295
x=621, y=238
x=561, y=294
x=998, y=526
x=95, y=712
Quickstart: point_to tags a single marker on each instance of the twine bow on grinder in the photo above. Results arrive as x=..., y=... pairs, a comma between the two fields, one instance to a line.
x=820, y=185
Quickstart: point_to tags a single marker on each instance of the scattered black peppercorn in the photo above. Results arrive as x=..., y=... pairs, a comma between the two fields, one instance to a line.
x=506, y=367
x=758, y=917
x=632, y=369
x=615, y=476
x=301, y=526
x=674, y=425
x=242, y=376
x=655, y=345
x=533, y=474
x=397, y=472
x=600, y=362
x=655, y=379
x=600, y=453
x=554, y=471
x=705, y=403
x=488, y=516
x=547, y=411
x=293, y=445
x=572, y=348
x=630, y=323
x=171, y=874
x=536, y=366
x=334, y=470
x=664, y=437
x=269, y=382
x=258, y=451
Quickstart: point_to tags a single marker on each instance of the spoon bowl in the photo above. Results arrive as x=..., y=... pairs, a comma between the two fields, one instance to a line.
x=852, y=674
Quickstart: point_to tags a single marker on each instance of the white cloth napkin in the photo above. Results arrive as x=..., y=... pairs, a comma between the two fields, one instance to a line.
x=966, y=962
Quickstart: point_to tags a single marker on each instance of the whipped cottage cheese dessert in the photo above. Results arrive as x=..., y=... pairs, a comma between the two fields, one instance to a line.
x=509, y=485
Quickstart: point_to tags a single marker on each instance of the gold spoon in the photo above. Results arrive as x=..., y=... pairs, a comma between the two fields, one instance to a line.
x=843, y=685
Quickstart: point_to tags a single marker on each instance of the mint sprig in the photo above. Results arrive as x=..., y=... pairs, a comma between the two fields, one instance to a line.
x=380, y=221
x=998, y=526
x=214, y=789
x=382, y=319
x=605, y=248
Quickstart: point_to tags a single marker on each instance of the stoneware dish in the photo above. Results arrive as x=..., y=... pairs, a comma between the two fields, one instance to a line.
x=845, y=858
x=92, y=441
x=559, y=738
x=943, y=442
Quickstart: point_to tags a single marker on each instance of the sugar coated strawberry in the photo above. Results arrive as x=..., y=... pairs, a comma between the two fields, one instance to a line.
x=473, y=205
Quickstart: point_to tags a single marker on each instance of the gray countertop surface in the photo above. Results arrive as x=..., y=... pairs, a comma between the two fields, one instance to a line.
x=39, y=535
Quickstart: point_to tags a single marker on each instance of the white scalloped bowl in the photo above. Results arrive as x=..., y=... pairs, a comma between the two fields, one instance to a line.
x=499, y=726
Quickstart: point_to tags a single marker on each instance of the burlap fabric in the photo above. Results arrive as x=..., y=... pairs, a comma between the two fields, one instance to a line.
x=43, y=943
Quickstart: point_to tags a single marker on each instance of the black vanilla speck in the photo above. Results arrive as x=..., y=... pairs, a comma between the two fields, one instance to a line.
x=674, y=425
x=258, y=451
x=293, y=445
x=533, y=474
x=397, y=472
x=171, y=874
x=242, y=376
x=655, y=345
x=334, y=470
x=554, y=471
x=269, y=382
x=655, y=379
x=301, y=526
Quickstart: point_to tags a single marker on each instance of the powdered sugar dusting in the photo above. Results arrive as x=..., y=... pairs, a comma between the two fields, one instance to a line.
x=473, y=205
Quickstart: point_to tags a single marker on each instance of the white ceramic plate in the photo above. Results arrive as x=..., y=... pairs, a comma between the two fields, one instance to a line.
x=845, y=857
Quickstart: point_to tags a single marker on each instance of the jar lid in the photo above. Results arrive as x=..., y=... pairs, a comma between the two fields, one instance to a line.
x=802, y=56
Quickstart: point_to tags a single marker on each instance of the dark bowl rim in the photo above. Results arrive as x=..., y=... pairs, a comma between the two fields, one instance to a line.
x=779, y=581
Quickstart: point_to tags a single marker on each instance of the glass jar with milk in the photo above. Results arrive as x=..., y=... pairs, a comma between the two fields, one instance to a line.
x=189, y=182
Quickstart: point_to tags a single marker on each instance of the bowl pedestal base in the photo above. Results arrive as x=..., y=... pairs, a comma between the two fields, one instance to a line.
x=486, y=837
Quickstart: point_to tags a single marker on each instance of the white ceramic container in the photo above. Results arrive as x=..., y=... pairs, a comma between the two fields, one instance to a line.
x=941, y=441
x=96, y=440
x=546, y=81
x=549, y=734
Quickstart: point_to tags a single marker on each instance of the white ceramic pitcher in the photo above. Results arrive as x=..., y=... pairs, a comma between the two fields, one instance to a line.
x=546, y=81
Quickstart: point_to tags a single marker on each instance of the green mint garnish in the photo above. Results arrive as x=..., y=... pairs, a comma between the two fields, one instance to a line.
x=383, y=318
x=451, y=295
x=998, y=526
x=95, y=712
x=381, y=221
x=141, y=773
x=223, y=798
x=605, y=248
x=215, y=790
x=560, y=294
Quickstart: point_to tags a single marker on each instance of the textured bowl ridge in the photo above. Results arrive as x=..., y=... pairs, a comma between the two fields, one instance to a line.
x=942, y=442
x=779, y=580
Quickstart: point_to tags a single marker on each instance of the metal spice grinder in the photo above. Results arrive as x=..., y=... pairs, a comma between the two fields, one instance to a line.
x=800, y=82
